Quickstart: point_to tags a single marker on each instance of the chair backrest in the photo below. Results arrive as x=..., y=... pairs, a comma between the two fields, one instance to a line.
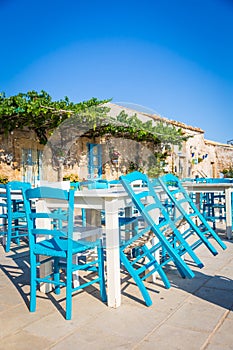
x=54, y=201
x=12, y=192
x=3, y=200
x=155, y=215
x=181, y=199
x=94, y=184
x=98, y=184
x=12, y=211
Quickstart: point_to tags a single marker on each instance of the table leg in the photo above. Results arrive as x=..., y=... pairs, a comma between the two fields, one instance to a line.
x=112, y=253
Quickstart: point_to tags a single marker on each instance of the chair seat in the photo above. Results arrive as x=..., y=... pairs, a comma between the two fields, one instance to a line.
x=127, y=220
x=58, y=247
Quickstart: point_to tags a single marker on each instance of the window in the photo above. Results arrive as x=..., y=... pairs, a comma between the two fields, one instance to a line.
x=94, y=160
x=31, y=165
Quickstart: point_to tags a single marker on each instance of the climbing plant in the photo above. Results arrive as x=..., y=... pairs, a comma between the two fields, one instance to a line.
x=38, y=112
x=159, y=138
x=134, y=128
x=228, y=173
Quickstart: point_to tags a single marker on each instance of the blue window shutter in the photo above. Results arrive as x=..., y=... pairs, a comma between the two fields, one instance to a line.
x=94, y=160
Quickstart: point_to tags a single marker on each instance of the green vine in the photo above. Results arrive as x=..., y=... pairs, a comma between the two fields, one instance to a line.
x=228, y=173
x=38, y=112
x=4, y=179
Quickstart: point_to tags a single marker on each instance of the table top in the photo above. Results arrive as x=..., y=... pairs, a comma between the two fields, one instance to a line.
x=207, y=186
x=104, y=193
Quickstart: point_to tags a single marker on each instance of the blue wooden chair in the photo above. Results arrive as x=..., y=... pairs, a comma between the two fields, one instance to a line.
x=13, y=211
x=212, y=206
x=158, y=224
x=59, y=245
x=186, y=209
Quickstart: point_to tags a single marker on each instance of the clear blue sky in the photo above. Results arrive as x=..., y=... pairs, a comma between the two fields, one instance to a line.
x=174, y=57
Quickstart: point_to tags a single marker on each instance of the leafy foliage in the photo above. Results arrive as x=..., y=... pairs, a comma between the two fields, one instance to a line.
x=4, y=179
x=71, y=178
x=38, y=112
x=228, y=173
x=135, y=129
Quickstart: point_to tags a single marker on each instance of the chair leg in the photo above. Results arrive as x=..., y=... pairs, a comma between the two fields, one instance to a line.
x=69, y=291
x=17, y=240
x=158, y=267
x=137, y=279
x=57, y=276
x=9, y=236
x=190, y=252
x=33, y=283
x=101, y=274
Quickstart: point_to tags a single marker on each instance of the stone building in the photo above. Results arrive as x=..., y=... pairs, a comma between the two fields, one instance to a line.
x=198, y=157
x=23, y=158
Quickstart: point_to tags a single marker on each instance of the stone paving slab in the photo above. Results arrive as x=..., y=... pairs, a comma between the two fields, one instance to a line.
x=193, y=314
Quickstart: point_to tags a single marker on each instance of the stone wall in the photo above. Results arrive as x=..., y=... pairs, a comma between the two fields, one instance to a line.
x=197, y=156
x=11, y=146
x=223, y=155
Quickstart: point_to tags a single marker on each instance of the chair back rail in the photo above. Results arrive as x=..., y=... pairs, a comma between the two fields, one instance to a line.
x=182, y=201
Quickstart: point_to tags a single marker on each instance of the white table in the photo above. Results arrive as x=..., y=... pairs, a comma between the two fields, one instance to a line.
x=110, y=200
x=227, y=188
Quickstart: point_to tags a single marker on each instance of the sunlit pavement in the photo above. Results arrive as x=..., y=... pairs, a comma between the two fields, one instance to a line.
x=193, y=314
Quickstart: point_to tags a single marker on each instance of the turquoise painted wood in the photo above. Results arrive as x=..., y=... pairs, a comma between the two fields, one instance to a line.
x=188, y=210
x=150, y=206
x=212, y=205
x=58, y=245
x=12, y=212
x=213, y=180
x=94, y=160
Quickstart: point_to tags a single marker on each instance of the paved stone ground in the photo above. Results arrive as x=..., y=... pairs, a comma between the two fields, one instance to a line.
x=193, y=314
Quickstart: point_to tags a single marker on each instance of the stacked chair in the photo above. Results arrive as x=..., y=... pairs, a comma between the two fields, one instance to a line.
x=152, y=239
x=12, y=212
x=162, y=240
x=60, y=245
x=185, y=209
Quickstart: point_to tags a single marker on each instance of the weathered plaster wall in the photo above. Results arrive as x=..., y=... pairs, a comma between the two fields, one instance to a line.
x=11, y=146
x=197, y=157
x=223, y=155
